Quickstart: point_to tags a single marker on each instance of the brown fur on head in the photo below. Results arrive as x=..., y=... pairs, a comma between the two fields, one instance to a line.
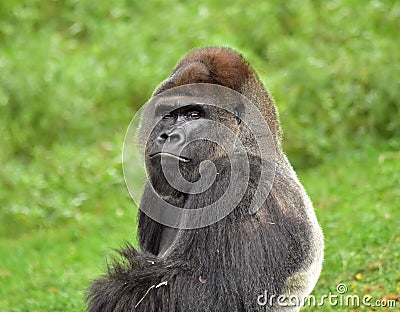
x=224, y=67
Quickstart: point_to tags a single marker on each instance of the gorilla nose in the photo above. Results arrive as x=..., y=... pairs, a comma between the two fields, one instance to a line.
x=175, y=137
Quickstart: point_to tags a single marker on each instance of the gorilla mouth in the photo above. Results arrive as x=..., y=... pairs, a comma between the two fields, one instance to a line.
x=164, y=154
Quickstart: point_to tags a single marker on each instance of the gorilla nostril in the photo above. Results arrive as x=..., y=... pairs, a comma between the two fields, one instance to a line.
x=161, y=139
x=175, y=137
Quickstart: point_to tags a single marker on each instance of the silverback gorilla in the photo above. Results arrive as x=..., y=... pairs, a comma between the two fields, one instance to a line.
x=248, y=260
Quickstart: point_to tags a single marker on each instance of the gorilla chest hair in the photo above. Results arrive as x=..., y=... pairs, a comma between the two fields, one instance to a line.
x=231, y=261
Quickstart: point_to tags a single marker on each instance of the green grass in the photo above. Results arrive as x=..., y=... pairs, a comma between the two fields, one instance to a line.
x=357, y=198
x=49, y=251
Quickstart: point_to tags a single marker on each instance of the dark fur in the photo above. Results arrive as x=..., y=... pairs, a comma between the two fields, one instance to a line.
x=227, y=265
x=236, y=259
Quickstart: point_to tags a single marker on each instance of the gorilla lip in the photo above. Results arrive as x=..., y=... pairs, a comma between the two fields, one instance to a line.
x=164, y=154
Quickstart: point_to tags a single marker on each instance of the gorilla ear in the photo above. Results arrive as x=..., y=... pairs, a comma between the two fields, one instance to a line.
x=237, y=116
x=239, y=112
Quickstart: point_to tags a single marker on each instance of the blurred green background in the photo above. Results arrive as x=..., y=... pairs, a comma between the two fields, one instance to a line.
x=73, y=73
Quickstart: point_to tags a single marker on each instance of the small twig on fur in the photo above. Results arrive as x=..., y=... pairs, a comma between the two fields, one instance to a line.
x=165, y=283
x=150, y=288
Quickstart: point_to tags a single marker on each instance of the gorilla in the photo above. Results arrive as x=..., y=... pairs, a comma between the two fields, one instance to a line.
x=224, y=223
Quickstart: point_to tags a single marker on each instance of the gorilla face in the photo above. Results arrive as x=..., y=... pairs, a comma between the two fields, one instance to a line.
x=186, y=138
x=174, y=131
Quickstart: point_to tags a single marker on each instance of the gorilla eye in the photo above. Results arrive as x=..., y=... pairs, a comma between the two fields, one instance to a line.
x=193, y=115
x=167, y=116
